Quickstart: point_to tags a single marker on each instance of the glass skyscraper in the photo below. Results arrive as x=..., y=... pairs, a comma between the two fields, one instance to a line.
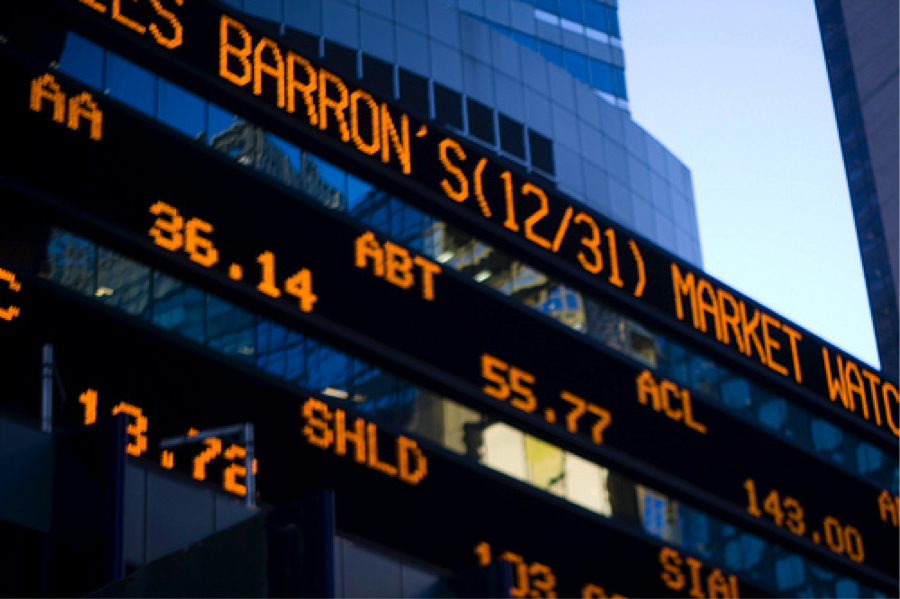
x=429, y=436
x=542, y=83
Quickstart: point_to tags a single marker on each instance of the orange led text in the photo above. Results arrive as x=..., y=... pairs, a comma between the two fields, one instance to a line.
x=10, y=312
x=661, y=397
x=319, y=97
x=394, y=264
x=81, y=106
x=860, y=389
x=687, y=573
x=331, y=429
x=757, y=335
x=889, y=508
x=156, y=17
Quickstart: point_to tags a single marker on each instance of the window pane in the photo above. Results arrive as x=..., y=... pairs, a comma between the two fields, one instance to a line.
x=512, y=136
x=602, y=76
x=595, y=16
x=552, y=52
x=448, y=106
x=323, y=181
x=123, y=283
x=178, y=307
x=529, y=41
x=577, y=65
x=131, y=84
x=612, y=16
x=570, y=9
x=230, y=330
x=481, y=121
x=82, y=60
x=619, y=75
x=219, y=120
x=181, y=110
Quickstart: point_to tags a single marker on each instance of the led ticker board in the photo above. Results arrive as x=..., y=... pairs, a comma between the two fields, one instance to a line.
x=237, y=232
x=406, y=495
x=207, y=48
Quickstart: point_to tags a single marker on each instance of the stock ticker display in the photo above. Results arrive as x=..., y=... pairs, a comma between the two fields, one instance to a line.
x=85, y=163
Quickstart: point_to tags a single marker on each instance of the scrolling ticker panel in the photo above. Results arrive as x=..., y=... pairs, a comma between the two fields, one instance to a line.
x=326, y=273
x=387, y=486
x=213, y=51
x=306, y=264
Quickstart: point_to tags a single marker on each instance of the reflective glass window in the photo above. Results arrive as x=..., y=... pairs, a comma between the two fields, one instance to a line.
x=570, y=9
x=577, y=65
x=551, y=52
x=131, y=84
x=123, y=283
x=595, y=16
x=83, y=60
x=181, y=110
x=602, y=76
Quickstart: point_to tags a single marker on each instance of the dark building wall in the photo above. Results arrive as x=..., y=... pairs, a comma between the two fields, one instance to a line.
x=860, y=39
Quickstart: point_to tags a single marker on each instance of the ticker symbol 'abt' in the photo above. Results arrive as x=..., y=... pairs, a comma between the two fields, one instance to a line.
x=395, y=265
x=10, y=312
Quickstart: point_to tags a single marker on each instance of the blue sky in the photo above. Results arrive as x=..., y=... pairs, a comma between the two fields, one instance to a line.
x=738, y=90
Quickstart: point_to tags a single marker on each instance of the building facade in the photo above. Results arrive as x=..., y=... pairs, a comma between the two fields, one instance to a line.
x=861, y=45
x=394, y=298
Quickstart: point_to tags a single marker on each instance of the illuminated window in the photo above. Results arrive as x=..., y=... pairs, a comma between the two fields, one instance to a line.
x=504, y=450
x=658, y=514
x=546, y=465
x=586, y=484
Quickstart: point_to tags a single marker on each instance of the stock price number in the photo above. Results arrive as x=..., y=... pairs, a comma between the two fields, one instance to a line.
x=534, y=579
x=138, y=431
x=506, y=382
x=172, y=232
x=788, y=513
x=527, y=207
